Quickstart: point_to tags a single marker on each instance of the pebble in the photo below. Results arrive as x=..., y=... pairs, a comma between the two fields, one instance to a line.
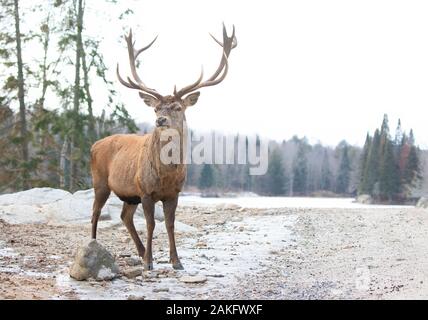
x=193, y=279
x=132, y=297
x=160, y=289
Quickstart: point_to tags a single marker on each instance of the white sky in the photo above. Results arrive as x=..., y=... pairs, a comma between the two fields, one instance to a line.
x=325, y=69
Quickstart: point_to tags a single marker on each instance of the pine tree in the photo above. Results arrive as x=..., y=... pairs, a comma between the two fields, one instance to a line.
x=300, y=170
x=371, y=174
x=206, y=179
x=389, y=180
x=363, y=187
x=412, y=169
x=344, y=174
x=275, y=173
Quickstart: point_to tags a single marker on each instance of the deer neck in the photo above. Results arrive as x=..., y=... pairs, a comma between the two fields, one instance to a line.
x=157, y=143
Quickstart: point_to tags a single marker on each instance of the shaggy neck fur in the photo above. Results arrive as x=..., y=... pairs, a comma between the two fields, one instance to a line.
x=164, y=170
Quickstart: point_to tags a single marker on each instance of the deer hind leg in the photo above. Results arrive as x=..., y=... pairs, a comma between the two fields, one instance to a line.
x=169, y=207
x=101, y=196
x=149, y=213
x=127, y=217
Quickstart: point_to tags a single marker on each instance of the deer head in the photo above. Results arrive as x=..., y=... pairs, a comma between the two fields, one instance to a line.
x=170, y=109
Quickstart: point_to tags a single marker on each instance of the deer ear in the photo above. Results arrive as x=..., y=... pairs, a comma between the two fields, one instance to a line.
x=148, y=99
x=191, y=99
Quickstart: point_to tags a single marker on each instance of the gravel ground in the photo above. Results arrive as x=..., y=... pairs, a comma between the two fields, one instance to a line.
x=373, y=253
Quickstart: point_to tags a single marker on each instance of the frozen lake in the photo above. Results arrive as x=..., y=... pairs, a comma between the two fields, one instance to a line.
x=281, y=202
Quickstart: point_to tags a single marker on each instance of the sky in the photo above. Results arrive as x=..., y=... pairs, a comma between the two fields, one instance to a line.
x=328, y=70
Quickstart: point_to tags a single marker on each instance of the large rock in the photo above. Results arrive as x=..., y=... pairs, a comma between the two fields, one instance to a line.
x=54, y=206
x=35, y=196
x=93, y=261
x=365, y=199
x=422, y=203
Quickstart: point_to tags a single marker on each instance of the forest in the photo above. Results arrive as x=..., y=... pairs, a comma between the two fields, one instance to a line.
x=47, y=123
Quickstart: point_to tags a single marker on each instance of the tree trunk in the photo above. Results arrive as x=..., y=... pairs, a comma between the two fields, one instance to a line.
x=22, y=108
x=92, y=133
x=76, y=97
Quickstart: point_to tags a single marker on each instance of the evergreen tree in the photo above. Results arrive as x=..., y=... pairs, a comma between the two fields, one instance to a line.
x=300, y=170
x=206, y=179
x=389, y=180
x=412, y=170
x=275, y=173
x=363, y=187
x=344, y=174
x=371, y=174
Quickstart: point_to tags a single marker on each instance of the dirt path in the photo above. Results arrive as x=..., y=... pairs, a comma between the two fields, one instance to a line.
x=245, y=254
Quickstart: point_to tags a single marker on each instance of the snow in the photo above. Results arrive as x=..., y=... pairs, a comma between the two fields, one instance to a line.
x=281, y=202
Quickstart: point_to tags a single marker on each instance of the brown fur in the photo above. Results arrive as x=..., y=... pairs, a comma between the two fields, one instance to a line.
x=130, y=166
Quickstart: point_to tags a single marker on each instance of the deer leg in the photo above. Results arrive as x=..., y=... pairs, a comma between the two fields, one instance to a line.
x=169, y=207
x=101, y=196
x=127, y=217
x=149, y=213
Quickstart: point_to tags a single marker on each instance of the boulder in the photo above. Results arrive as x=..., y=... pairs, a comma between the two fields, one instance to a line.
x=365, y=199
x=32, y=197
x=92, y=260
x=422, y=203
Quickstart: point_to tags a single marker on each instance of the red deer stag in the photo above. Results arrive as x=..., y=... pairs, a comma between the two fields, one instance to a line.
x=130, y=165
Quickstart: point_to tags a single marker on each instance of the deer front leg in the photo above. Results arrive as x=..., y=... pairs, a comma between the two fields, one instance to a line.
x=169, y=207
x=149, y=213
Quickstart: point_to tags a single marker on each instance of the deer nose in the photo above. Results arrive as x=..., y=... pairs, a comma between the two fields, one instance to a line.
x=161, y=121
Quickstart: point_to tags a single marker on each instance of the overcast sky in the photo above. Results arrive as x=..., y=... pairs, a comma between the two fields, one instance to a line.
x=328, y=70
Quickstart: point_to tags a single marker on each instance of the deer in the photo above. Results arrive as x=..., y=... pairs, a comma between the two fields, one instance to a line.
x=130, y=165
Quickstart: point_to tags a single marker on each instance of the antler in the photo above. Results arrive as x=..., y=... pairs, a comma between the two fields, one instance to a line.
x=228, y=44
x=137, y=83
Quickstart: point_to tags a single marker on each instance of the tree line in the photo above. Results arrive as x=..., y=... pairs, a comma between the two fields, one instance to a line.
x=386, y=168
x=296, y=168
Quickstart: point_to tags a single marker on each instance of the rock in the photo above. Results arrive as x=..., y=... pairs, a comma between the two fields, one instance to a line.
x=35, y=196
x=364, y=199
x=132, y=297
x=160, y=289
x=193, y=279
x=216, y=275
x=422, y=203
x=201, y=244
x=133, y=272
x=93, y=261
x=150, y=274
x=133, y=261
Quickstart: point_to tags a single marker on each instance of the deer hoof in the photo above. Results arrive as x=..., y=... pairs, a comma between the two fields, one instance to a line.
x=148, y=266
x=177, y=266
